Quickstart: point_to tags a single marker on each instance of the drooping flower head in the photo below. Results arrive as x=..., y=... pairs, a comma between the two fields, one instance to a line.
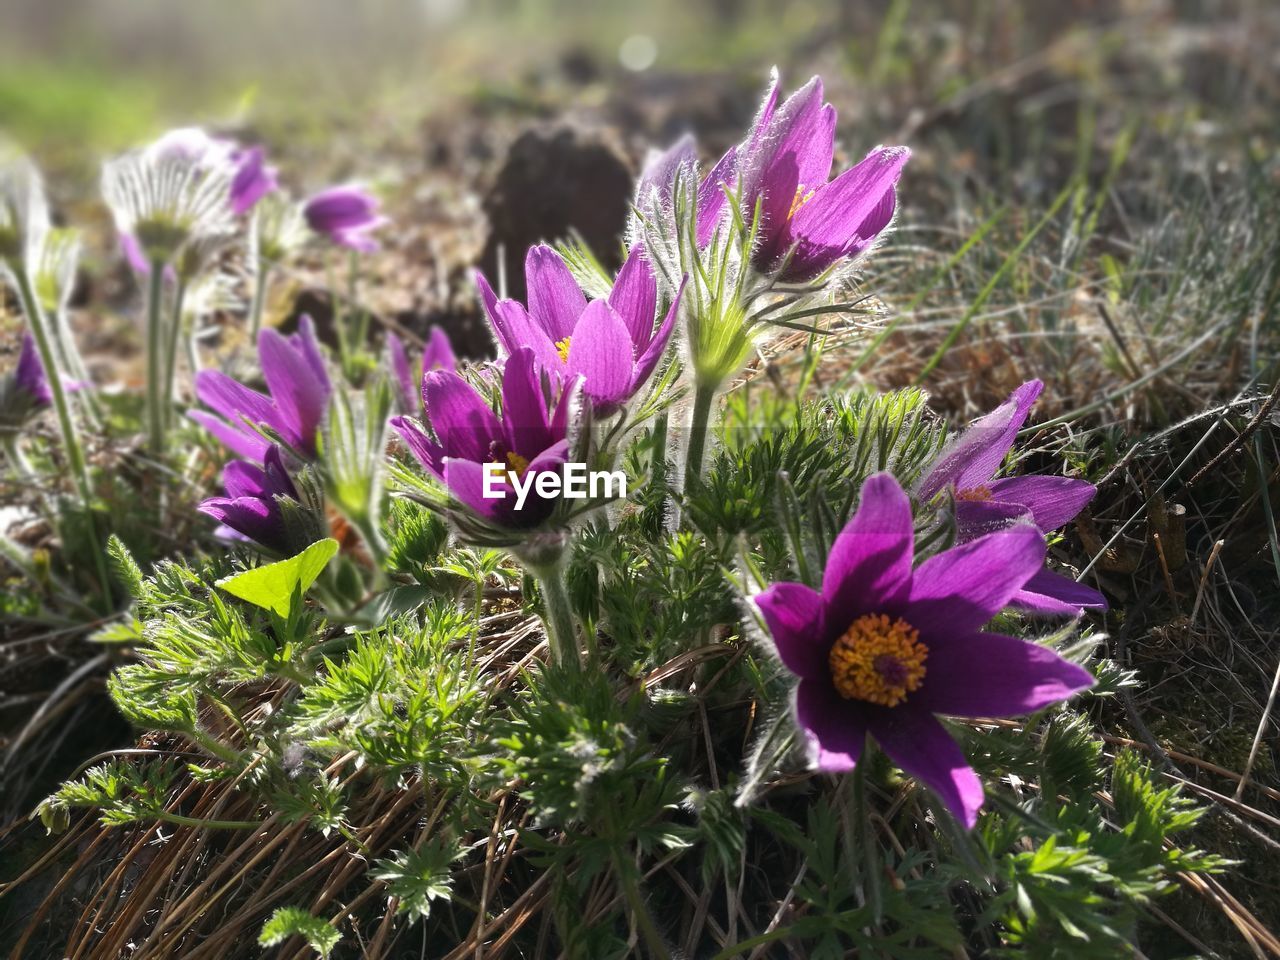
x=883, y=648
x=24, y=211
x=299, y=387
x=346, y=215
x=527, y=437
x=610, y=343
x=436, y=355
x=967, y=467
x=264, y=506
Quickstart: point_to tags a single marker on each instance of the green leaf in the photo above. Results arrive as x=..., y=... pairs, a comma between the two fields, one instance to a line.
x=290, y=921
x=272, y=586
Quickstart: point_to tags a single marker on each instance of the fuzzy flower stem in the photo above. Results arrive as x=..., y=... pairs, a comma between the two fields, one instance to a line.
x=171, y=353
x=70, y=438
x=703, y=398
x=155, y=346
x=658, y=460
x=649, y=932
x=561, y=635
x=17, y=459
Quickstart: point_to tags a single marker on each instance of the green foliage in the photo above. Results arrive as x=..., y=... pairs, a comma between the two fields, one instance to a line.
x=288, y=922
x=273, y=586
x=419, y=877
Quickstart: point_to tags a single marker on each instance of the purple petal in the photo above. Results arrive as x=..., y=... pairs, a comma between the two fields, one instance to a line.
x=308, y=345
x=340, y=208
x=1051, y=594
x=958, y=591
x=461, y=419
x=921, y=746
x=601, y=352
x=243, y=479
x=236, y=402
x=973, y=457
x=836, y=729
x=402, y=369
x=254, y=518
x=793, y=613
x=438, y=354
x=133, y=255
x=514, y=328
x=635, y=297
x=834, y=222
x=975, y=518
x=253, y=180
x=239, y=441
x=301, y=398
x=869, y=567
x=29, y=374
x=1053, y=501
x=648, y=360
x=660, y=169
x=524, y=406
x=429, y=453
x=712, y=199
x=991, y=675
x=555, y=300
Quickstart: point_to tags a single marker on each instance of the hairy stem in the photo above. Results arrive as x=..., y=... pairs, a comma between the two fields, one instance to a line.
x=171, y=353
x=22, y=468
x=561, y=635
x=155, y=373
x=703, y=398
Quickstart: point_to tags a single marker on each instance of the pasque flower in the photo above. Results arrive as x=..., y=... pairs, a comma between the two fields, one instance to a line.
x=528, y=436
x=610, y=343
x=299, y=387
x=808, y=222
x=251, y=177
x=967, y=468
x=251, y=510
x=347, y=215
x=883, y=648
x=436, y=355
x=28, y=375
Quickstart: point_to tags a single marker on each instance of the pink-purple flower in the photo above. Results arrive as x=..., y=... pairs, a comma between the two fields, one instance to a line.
x=967, y=467
x=346, y=215
x=528, y=436
x=299, y=387
x=251, y=510
x=29, y=375
x=610, y=343
x=252, y=179
x=884, y=648
x=436, y=355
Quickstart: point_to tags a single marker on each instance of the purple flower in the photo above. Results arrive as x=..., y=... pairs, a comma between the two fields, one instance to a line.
x=29, y=376
x=610, y=343
x=251, y=511
x=346, y=215
x=527, y=437
x=437, y=355
x=300, y=389
x=809, y=223
x=967, y=467
x=253, y=179
x=883, y=647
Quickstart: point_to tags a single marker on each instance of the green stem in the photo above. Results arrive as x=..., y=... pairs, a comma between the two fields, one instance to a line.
x=561, y=635
x=644, y=919
x=704, y=396
x=155, y=347
x=259, y=299
x=70, y=438
x=658, y=464
x=180, y=820
x=171, y=353
x=215, y=747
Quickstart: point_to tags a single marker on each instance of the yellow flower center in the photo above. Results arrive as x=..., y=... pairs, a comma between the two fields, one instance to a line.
x=799, y=200
x=978, y=494
x=516, y=465
x=562, y=348
x=878, y=660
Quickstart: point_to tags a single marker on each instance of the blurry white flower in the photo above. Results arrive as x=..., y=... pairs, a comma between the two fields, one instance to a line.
x=24, y=212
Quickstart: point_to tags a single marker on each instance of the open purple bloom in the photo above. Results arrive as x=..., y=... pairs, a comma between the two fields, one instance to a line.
x=809, y=222
x=346, y=215
x=300, y=390
x=967, y=468
x=251, y=509
x=527, y=437
x=611, y=344
x=883, y=648
x=436, y=355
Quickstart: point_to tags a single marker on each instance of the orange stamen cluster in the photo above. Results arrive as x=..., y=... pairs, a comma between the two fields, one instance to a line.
x=562, y=348
x=878, y=660
x=799, y=200
x=516, y=465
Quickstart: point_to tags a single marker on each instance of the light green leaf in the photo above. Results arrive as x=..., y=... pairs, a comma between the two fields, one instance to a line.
x=271, y=587
x=294, y=921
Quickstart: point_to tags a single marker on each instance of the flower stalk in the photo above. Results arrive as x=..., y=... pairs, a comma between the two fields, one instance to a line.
x=703, y=399
x=561, y=635
x=155, y=346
